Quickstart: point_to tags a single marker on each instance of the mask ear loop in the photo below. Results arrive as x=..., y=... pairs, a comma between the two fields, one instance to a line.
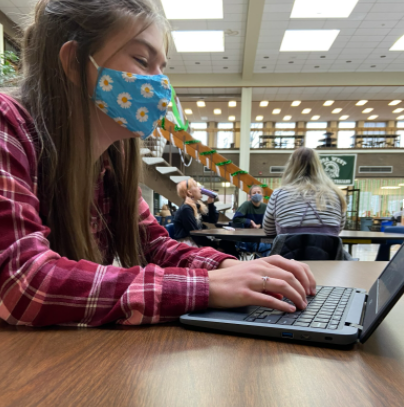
x=98, y=76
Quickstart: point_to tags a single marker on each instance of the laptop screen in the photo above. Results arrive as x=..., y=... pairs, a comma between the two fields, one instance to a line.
x=384, y=293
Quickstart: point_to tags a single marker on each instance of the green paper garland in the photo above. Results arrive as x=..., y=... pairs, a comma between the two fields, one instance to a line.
x=208, y=152
x=223, y=163
x=239, y=173
x=191, y=142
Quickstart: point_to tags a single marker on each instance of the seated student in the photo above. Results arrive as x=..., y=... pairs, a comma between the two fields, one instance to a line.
x=308, y=201
x=250, y=215
x=164, y=211
x=69, y=197
x=191, y=214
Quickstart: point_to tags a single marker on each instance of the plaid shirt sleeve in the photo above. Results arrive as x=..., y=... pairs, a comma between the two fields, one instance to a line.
x=39, y=288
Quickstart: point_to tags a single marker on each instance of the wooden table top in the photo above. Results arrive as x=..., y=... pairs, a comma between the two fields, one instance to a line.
x=258, y=234
x=170, y=366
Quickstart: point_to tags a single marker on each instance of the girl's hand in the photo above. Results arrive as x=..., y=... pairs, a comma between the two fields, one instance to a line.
x=240, y=284
x=210, y=200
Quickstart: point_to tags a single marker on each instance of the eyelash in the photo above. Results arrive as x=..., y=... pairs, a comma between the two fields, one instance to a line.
x=142, y=62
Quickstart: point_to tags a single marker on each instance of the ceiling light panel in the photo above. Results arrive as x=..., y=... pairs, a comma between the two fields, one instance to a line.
x=276, y=111
x=395, y=102
x=398, y=45
x=323, y=8
x=232, y=118
x=315, y=118
x=308, y=40
x=361, y=103
x=201, y=103
x=232, y=103
x=368, y=110
x=296, y=103
x=264, y=103
x=217, y=111
x=259, y=118
x=193, y=10
x=198, y=41
x=398, y=110
x=344, y=117
x=188, y=111
x=400, y=118
x=336, y=111
x=287, y=118
x=306, y=111
x=375, y=116
x=328, y=103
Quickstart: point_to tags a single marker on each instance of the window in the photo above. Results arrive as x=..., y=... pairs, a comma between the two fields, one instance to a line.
x=345, y=139
x=374, y=141
x=224, y=138
x=401, y=133
x=255, y=134
x=287, y=130
x=313, y=137
x=375, y=124
x=199, y=132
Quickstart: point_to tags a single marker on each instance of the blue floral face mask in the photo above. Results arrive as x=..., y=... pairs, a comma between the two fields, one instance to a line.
x=136, y=102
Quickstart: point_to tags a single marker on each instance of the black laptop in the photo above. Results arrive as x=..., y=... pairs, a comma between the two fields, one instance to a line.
x=337, y=315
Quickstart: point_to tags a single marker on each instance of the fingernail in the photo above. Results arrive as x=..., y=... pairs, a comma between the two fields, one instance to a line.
x=292, y=308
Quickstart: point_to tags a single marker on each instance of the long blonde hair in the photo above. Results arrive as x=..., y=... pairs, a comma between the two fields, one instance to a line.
x=61, y=114
x=305, y=175
x=182, y=188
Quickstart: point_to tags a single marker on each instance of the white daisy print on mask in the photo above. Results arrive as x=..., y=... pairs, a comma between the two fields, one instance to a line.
x=147, y=90
x=121, y=121
x=124, y=100
x=106, y=83
x=102, y=106
x=142, y=115
x=129, y=77
x=163, y=103
x=165, y=83
x=138, y=133
x=155, y=124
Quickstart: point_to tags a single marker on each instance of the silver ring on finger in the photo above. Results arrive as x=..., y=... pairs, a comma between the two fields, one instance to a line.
x=264, y=282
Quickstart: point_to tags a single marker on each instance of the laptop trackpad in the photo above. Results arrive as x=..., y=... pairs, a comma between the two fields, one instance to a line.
x=234, y=314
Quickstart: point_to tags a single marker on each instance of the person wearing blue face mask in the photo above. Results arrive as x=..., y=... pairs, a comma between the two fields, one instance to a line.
x=78, y=244
x=250, y=215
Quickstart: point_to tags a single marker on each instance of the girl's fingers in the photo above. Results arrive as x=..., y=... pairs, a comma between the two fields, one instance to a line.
x=300, y=270
x=263, y=300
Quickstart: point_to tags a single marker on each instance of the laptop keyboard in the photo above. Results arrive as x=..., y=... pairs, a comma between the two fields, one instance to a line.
x=324, y=310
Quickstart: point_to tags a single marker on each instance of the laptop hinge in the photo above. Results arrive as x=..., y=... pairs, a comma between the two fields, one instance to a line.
x=357, y=326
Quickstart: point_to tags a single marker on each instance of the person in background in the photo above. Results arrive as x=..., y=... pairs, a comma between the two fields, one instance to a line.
x=70, y=202
x=192, y=213
x=250, y=215
x=307, y=201
x=164, y=211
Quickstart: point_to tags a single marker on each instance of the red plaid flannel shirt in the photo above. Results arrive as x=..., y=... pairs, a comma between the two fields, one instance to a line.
x=38, y=287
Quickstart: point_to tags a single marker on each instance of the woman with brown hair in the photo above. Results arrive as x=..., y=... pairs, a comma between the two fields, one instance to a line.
x=69, y=197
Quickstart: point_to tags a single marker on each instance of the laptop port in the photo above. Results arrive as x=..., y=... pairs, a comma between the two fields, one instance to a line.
x=286, y=335
x=328, y=338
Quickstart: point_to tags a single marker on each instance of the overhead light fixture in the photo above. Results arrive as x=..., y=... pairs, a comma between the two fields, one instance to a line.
x=390, y=187
x=232, y=103
x=336, y=111
x=395, y=102
x=400, y=118
x=368, y=110
x=328, y=103
x=375, y=116
x=306, y=111
x=296, y=103
x=401, y=185
x=398, y=110
x=225, y=184
x=287, y=118
x=193, y=10
x=361, y=103
x=323, y=9
x=276, y=111
x=201, y=103
x=259, y=118
x=315, y=118
x=217, y=111
x=398, y=45
x=198, y=41
x=232, y=118
x=264, y=103
x=170, y=104
x=344, y=117
x=308, y=40
x=188, y=111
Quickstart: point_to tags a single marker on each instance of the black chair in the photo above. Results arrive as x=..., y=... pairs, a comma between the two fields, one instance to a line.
x=309, y=246
x=170, y=229
x=166, y=220
x=158, y=218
